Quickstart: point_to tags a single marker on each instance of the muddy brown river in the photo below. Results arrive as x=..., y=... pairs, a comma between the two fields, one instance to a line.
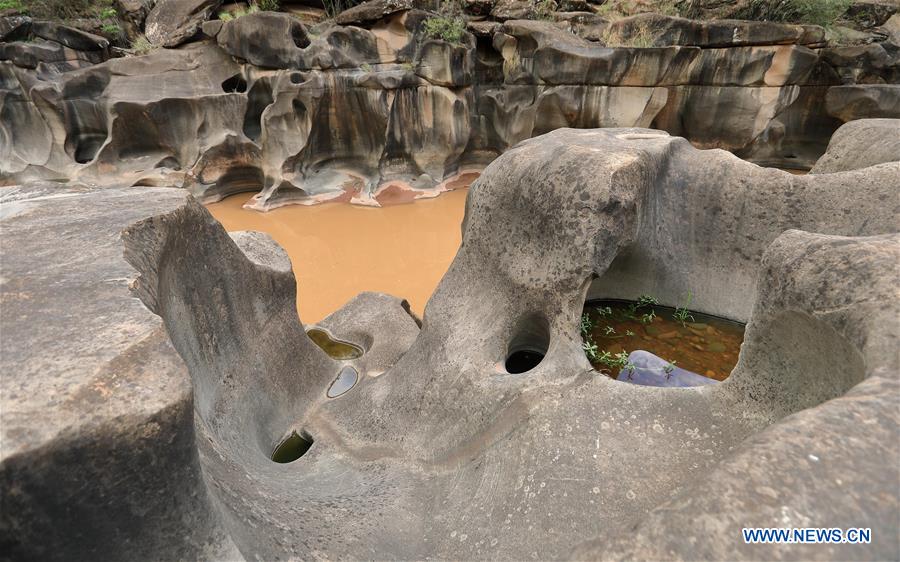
x=339, y=250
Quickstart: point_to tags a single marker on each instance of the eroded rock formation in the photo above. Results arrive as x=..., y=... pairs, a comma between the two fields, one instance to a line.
x=437, y=451
x=306, y=114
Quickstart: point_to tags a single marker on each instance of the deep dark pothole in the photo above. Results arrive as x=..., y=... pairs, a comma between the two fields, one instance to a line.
x=529, y=345
x=295, y=446
x=523, y=361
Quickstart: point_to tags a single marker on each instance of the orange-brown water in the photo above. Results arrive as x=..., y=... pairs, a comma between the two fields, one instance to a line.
x=339, y=250
x=702, y=344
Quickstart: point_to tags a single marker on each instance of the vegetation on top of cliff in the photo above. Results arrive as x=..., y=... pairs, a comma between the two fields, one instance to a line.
x=446, y=28
x=63, y=9
x=12, y=5
x=818, y=12
x=449, y=25
x=238, y=13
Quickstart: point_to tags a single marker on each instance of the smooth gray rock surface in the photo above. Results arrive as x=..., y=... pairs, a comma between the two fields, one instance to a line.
x=98, y=459
x=860, y=144
x=447, y=455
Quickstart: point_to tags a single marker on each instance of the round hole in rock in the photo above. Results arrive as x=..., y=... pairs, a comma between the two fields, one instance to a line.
x=523, y=361
x=235, y=84
x=87, y=145
x=345, y=380
x=528, y=346
x=293, y=447
x=299, y=37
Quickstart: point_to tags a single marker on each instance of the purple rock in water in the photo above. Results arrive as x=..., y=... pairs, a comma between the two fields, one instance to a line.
x=650, y=370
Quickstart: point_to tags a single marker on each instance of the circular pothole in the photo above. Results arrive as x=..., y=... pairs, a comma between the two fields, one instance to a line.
x=523, y=360
x=529, y=345
x=293, y=447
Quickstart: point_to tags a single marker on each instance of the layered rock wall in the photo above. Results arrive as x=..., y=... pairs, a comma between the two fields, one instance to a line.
x=302, y=114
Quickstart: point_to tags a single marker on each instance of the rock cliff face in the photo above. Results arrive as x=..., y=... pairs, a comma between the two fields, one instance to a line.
x=306, y=114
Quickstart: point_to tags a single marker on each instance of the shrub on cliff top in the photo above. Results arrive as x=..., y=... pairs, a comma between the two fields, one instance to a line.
x=445, y=28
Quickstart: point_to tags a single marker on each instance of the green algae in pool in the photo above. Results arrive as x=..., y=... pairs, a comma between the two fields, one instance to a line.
x=707, y=345
x=335, y=348
x=292, y=448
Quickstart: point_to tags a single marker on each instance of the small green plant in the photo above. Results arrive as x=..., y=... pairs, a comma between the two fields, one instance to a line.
x=107, y=13
x=648, y=317
x=643, y=302
x=590, y=349
x=681, y=313
x=604, y=311
x=445, y=28
x=587, y=325
x=618, y=360
x=668, y=369
x=609, y=331
x=111, y=29
x=226, y=16
x=269, y=5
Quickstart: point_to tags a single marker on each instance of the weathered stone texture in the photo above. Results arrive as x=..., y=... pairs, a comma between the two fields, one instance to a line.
x=437, y=446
